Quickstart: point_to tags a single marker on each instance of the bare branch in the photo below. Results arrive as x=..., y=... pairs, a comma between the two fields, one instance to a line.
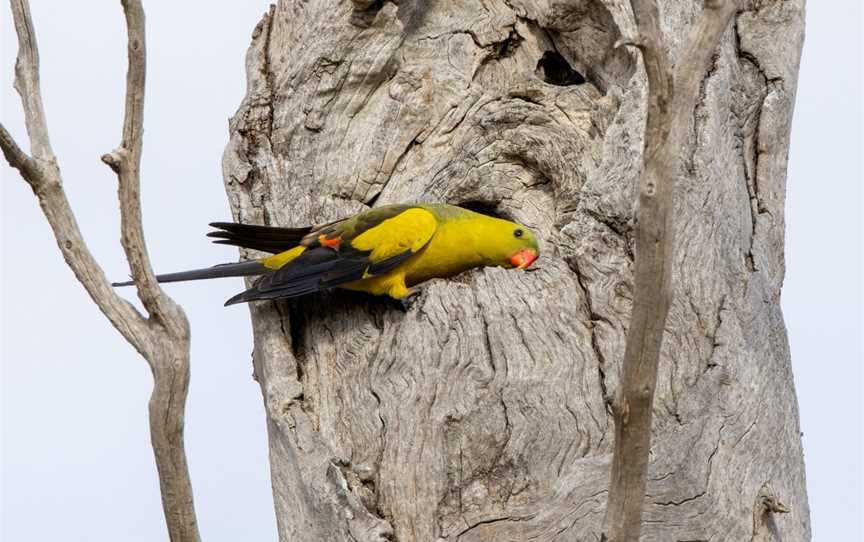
x=136, y=50
x=671, y=101
x=163, y=340
x=170, y=359
x=27, y=82
x=656, y=64
x=126, y=162
x=16, y=157
x=701, y=45
x=43, y=175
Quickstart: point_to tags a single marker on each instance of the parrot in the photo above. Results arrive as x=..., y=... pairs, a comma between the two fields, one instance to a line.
x=386, y=250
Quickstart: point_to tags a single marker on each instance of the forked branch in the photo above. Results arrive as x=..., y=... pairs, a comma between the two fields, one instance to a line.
x=671, y=99
x=162, y=337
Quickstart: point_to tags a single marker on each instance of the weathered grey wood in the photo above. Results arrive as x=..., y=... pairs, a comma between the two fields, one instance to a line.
x=481, y=413
x=672, y=95
x=161, y=337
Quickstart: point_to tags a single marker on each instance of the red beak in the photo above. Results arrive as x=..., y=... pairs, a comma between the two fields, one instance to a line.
x=524, y=258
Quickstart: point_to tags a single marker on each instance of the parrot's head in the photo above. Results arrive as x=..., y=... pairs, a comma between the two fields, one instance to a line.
x=515, y=245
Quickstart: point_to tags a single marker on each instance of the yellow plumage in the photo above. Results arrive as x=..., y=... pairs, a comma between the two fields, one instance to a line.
x=278, y=260
x=383, y=251
x=444, y=247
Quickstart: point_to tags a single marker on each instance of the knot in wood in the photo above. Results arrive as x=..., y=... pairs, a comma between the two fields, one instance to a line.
x=115, y=159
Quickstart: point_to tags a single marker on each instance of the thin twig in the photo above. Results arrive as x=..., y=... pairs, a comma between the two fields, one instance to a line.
x=27, y=82
x=671, y=100
x=163, y=338
x=126, y=162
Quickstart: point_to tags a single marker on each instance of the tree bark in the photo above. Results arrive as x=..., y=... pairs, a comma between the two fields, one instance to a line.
x=671, y=100
x=481, y=414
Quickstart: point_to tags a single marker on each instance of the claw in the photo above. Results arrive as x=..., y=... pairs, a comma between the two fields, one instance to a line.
x=410, y=298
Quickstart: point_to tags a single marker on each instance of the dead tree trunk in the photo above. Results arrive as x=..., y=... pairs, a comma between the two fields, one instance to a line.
x=481, y=414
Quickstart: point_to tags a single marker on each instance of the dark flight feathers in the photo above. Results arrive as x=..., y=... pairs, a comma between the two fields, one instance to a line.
x=318, y=268
x=314, y=270
x=264, y=238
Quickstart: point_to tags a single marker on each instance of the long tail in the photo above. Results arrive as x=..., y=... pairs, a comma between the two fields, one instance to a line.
x=240, y=269
x=264, y=238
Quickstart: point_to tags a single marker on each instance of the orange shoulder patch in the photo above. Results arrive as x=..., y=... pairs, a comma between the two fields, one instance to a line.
x=329, y=243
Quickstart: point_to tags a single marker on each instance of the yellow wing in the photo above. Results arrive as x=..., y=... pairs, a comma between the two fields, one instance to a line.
x=348, y=258
x=409, y=231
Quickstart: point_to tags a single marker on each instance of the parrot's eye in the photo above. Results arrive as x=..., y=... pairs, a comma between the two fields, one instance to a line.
x=518, y=233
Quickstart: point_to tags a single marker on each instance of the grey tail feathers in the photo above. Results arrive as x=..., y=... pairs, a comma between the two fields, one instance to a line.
x=240, y=269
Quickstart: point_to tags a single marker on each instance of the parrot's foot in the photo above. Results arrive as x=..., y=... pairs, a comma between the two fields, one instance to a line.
x=407, y=301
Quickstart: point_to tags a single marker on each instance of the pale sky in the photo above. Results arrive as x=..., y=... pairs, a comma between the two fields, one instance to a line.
x=76, y=458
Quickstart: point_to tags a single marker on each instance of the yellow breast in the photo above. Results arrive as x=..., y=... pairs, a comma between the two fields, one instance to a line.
x=458, y=244
x=452, y=250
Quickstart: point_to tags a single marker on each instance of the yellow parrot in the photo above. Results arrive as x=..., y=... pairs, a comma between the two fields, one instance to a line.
x=382, y=251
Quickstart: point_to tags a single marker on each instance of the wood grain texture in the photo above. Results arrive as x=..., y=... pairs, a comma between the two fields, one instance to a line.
x=481, y=413
x=672, y=95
